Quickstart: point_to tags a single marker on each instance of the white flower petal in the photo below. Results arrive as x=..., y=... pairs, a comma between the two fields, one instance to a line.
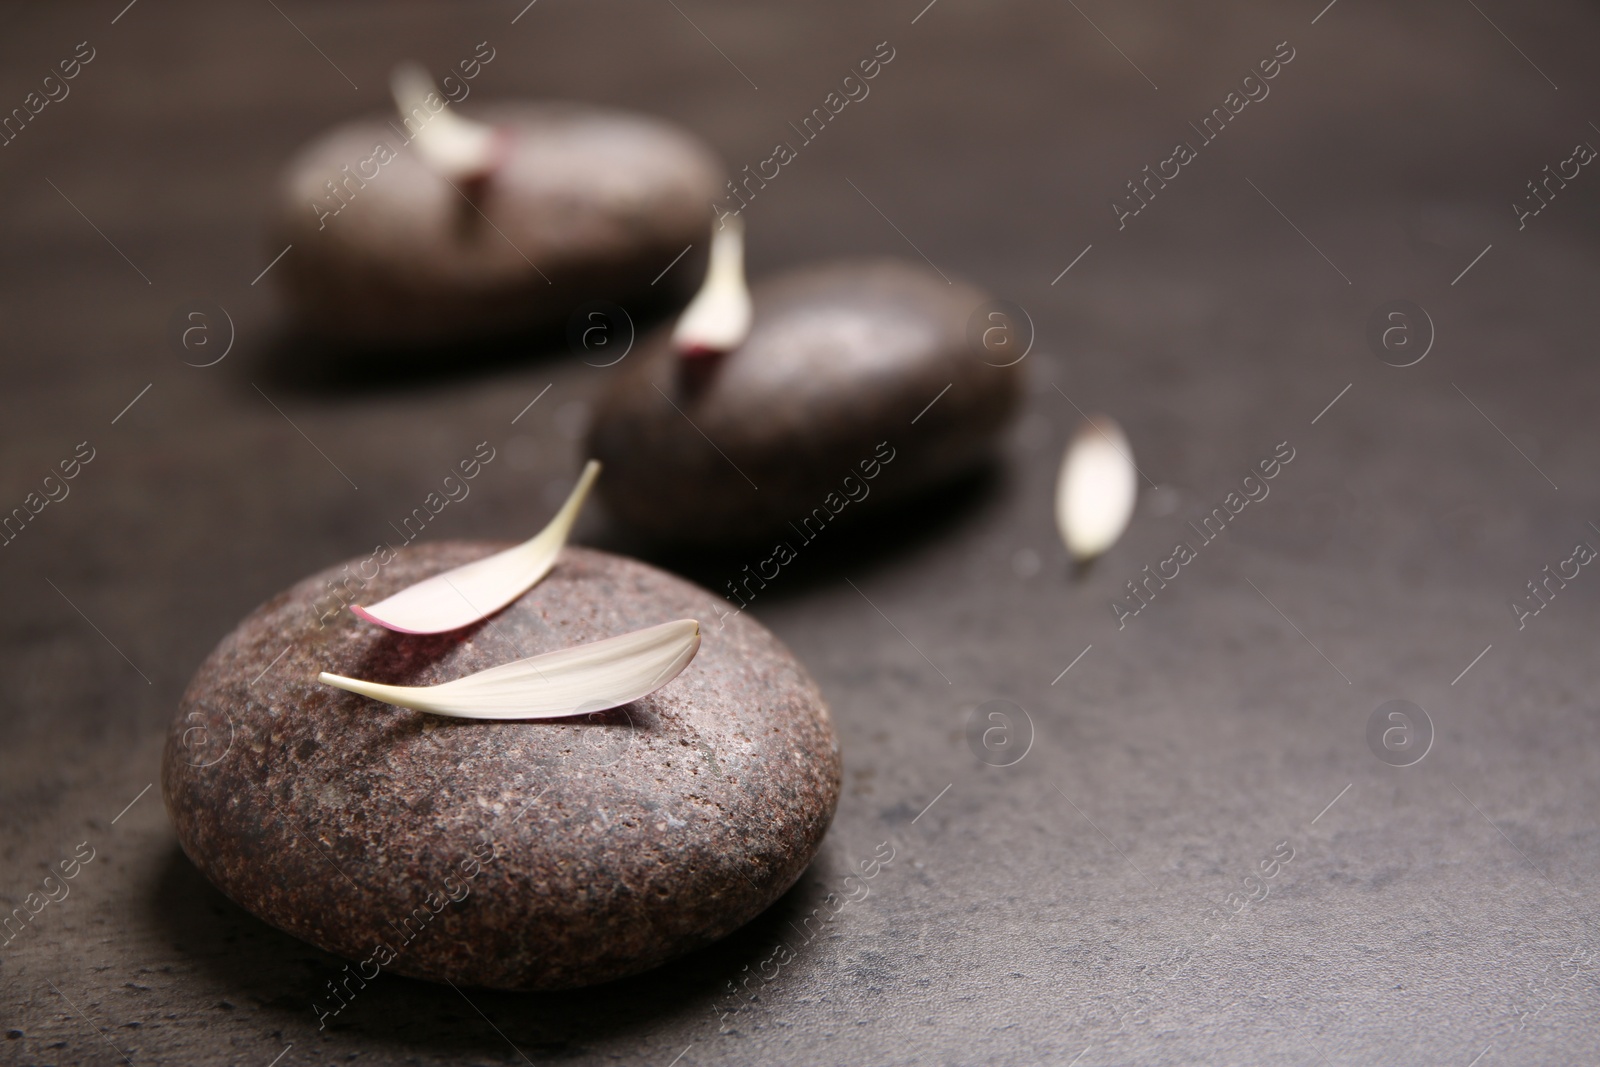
x=718, y=318
x=573, y=681
x=476, y=590
x=1096, y=489
x=462, y=149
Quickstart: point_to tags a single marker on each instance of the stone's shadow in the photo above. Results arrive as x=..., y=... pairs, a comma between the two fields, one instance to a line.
x=866, y=541
x=293, y=362
x=280, y=976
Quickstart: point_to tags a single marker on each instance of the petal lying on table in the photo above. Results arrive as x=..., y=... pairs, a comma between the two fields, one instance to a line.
x=573, y=681
x=1096, y=489
x=474, y=591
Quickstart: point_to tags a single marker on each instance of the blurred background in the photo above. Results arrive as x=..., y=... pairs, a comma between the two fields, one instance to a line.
x=1075, y=904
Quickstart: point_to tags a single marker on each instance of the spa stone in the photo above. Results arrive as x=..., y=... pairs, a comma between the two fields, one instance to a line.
x=513, y=855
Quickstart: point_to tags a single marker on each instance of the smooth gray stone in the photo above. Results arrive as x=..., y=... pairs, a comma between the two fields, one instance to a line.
x=515, y=855
x=823, y=412
x=589, y=204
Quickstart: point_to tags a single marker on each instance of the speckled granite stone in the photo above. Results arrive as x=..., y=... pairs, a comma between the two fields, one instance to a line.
x=841, y=360
x=590, y=204
x=518, y=855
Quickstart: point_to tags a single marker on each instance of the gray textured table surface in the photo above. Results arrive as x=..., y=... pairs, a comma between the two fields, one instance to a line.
x=1087, y=904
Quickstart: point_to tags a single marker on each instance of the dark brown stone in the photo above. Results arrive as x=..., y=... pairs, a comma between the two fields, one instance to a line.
x=590, y=204
x=619, y=840
x=840, y=360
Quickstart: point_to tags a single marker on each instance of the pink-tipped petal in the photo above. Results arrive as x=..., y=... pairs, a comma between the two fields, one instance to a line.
x=500, y=149
x=461, y=149
x=476, y=590
x=718, y=318
x=362, y=613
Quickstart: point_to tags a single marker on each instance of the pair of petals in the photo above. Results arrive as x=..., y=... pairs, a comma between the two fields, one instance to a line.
x=462, y=149
x=572, y=681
